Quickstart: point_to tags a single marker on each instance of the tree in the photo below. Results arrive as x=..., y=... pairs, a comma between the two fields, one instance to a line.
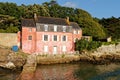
x=89, y=26
x=112, y=26
x=83, y=44
x=8, y=24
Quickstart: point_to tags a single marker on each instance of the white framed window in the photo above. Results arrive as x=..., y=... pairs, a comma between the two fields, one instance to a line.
x=78, y=32
x=30, y=37
x=55, y=28
x=55, y=38
x=64, y=49
x=45, y=48
x=46, y=27
x=74, y=39
x=54, y=49
x=45, y=38
x=75, y=31
x=64, y=38
x=64, y=28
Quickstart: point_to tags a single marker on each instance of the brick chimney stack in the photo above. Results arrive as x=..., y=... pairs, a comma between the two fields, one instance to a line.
x=67, y=20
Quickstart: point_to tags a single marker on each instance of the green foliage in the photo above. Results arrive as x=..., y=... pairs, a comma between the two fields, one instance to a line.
x=12, y=29
x=12, y=13
x=86, y=45
x=8, y=24
x=112, y=26
x=81, y=45
x=92, y=28
x=108, y=43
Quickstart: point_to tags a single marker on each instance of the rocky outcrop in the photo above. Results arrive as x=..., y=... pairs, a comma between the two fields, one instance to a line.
x=29, y=68
x=10, y=59
x=104, y=54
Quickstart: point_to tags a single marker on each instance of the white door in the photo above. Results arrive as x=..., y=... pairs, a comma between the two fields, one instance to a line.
x=54, y=49
x=45, y=48
x=64, y=48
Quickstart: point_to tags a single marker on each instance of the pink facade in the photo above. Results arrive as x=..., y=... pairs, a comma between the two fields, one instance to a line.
x=36, y=45
x=48, y=42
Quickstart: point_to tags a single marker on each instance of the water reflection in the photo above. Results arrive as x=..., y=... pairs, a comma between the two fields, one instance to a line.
x=8, y=74
x=73, y=71
x=78, y=71
x=56, y=72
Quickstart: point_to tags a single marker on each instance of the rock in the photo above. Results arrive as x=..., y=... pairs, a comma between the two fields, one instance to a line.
x=10, y=65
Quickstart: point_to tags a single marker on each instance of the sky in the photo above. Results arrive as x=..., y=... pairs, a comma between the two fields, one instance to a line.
x=97, y=8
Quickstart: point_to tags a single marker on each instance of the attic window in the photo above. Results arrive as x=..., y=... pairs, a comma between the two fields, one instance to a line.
x=64, y=28
x=55, y=28
x=75, y=31
x=46, y=27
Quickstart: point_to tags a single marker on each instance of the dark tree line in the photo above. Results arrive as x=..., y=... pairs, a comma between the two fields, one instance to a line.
x=97, y=28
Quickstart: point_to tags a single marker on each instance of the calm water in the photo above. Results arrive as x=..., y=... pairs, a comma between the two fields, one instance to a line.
x=73, y=71
x=8, y=74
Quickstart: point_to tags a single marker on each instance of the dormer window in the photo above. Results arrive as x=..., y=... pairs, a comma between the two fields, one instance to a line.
x=75, y=31
x=46, y=27
x=64, y=28
x=55, y=28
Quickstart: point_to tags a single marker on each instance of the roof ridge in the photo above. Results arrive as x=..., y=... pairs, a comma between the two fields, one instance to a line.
x=27, y=19
x=52, y=17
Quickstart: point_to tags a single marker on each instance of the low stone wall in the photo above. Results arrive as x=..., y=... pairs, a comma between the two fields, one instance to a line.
x=108, y=49
x=53, y=59
x=8, y=39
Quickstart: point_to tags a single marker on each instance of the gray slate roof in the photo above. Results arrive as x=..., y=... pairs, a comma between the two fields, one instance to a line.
x=51, y=20
x=28, y=22
x=74, y=25
x=48, y=20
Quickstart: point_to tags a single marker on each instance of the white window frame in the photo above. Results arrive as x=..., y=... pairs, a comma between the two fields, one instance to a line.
x=75, y=32
x=55, y=52
x=55, y=28
x=64, y=48
x=46, y=49
x=64, y=28
x=78, y=31
x=44, y=38
x=54, y=36
x=62, y=38
x=46, y=27
x=75, y=39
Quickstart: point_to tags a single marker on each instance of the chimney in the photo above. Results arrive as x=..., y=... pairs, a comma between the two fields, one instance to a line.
x=67, y=20
x=35, y=16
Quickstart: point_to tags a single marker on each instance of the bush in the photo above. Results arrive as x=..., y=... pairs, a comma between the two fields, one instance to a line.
x=86, y=45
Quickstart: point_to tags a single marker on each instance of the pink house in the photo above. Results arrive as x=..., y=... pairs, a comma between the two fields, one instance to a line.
x=48, y=35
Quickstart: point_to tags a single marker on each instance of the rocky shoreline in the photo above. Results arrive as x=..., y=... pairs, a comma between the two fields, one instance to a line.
x=103, y=55
x=11, y=60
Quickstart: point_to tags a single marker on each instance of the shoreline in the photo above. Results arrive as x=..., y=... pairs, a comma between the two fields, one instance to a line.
x=93, y=59
x=102, y=55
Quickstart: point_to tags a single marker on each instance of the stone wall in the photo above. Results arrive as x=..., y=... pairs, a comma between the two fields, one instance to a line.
x=108, y=49
x=8, y=39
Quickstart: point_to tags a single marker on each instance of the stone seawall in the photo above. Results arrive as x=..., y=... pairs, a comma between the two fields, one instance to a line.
x=8, y=39
x=104, y=54
x=61, y=58
x=107, y=49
